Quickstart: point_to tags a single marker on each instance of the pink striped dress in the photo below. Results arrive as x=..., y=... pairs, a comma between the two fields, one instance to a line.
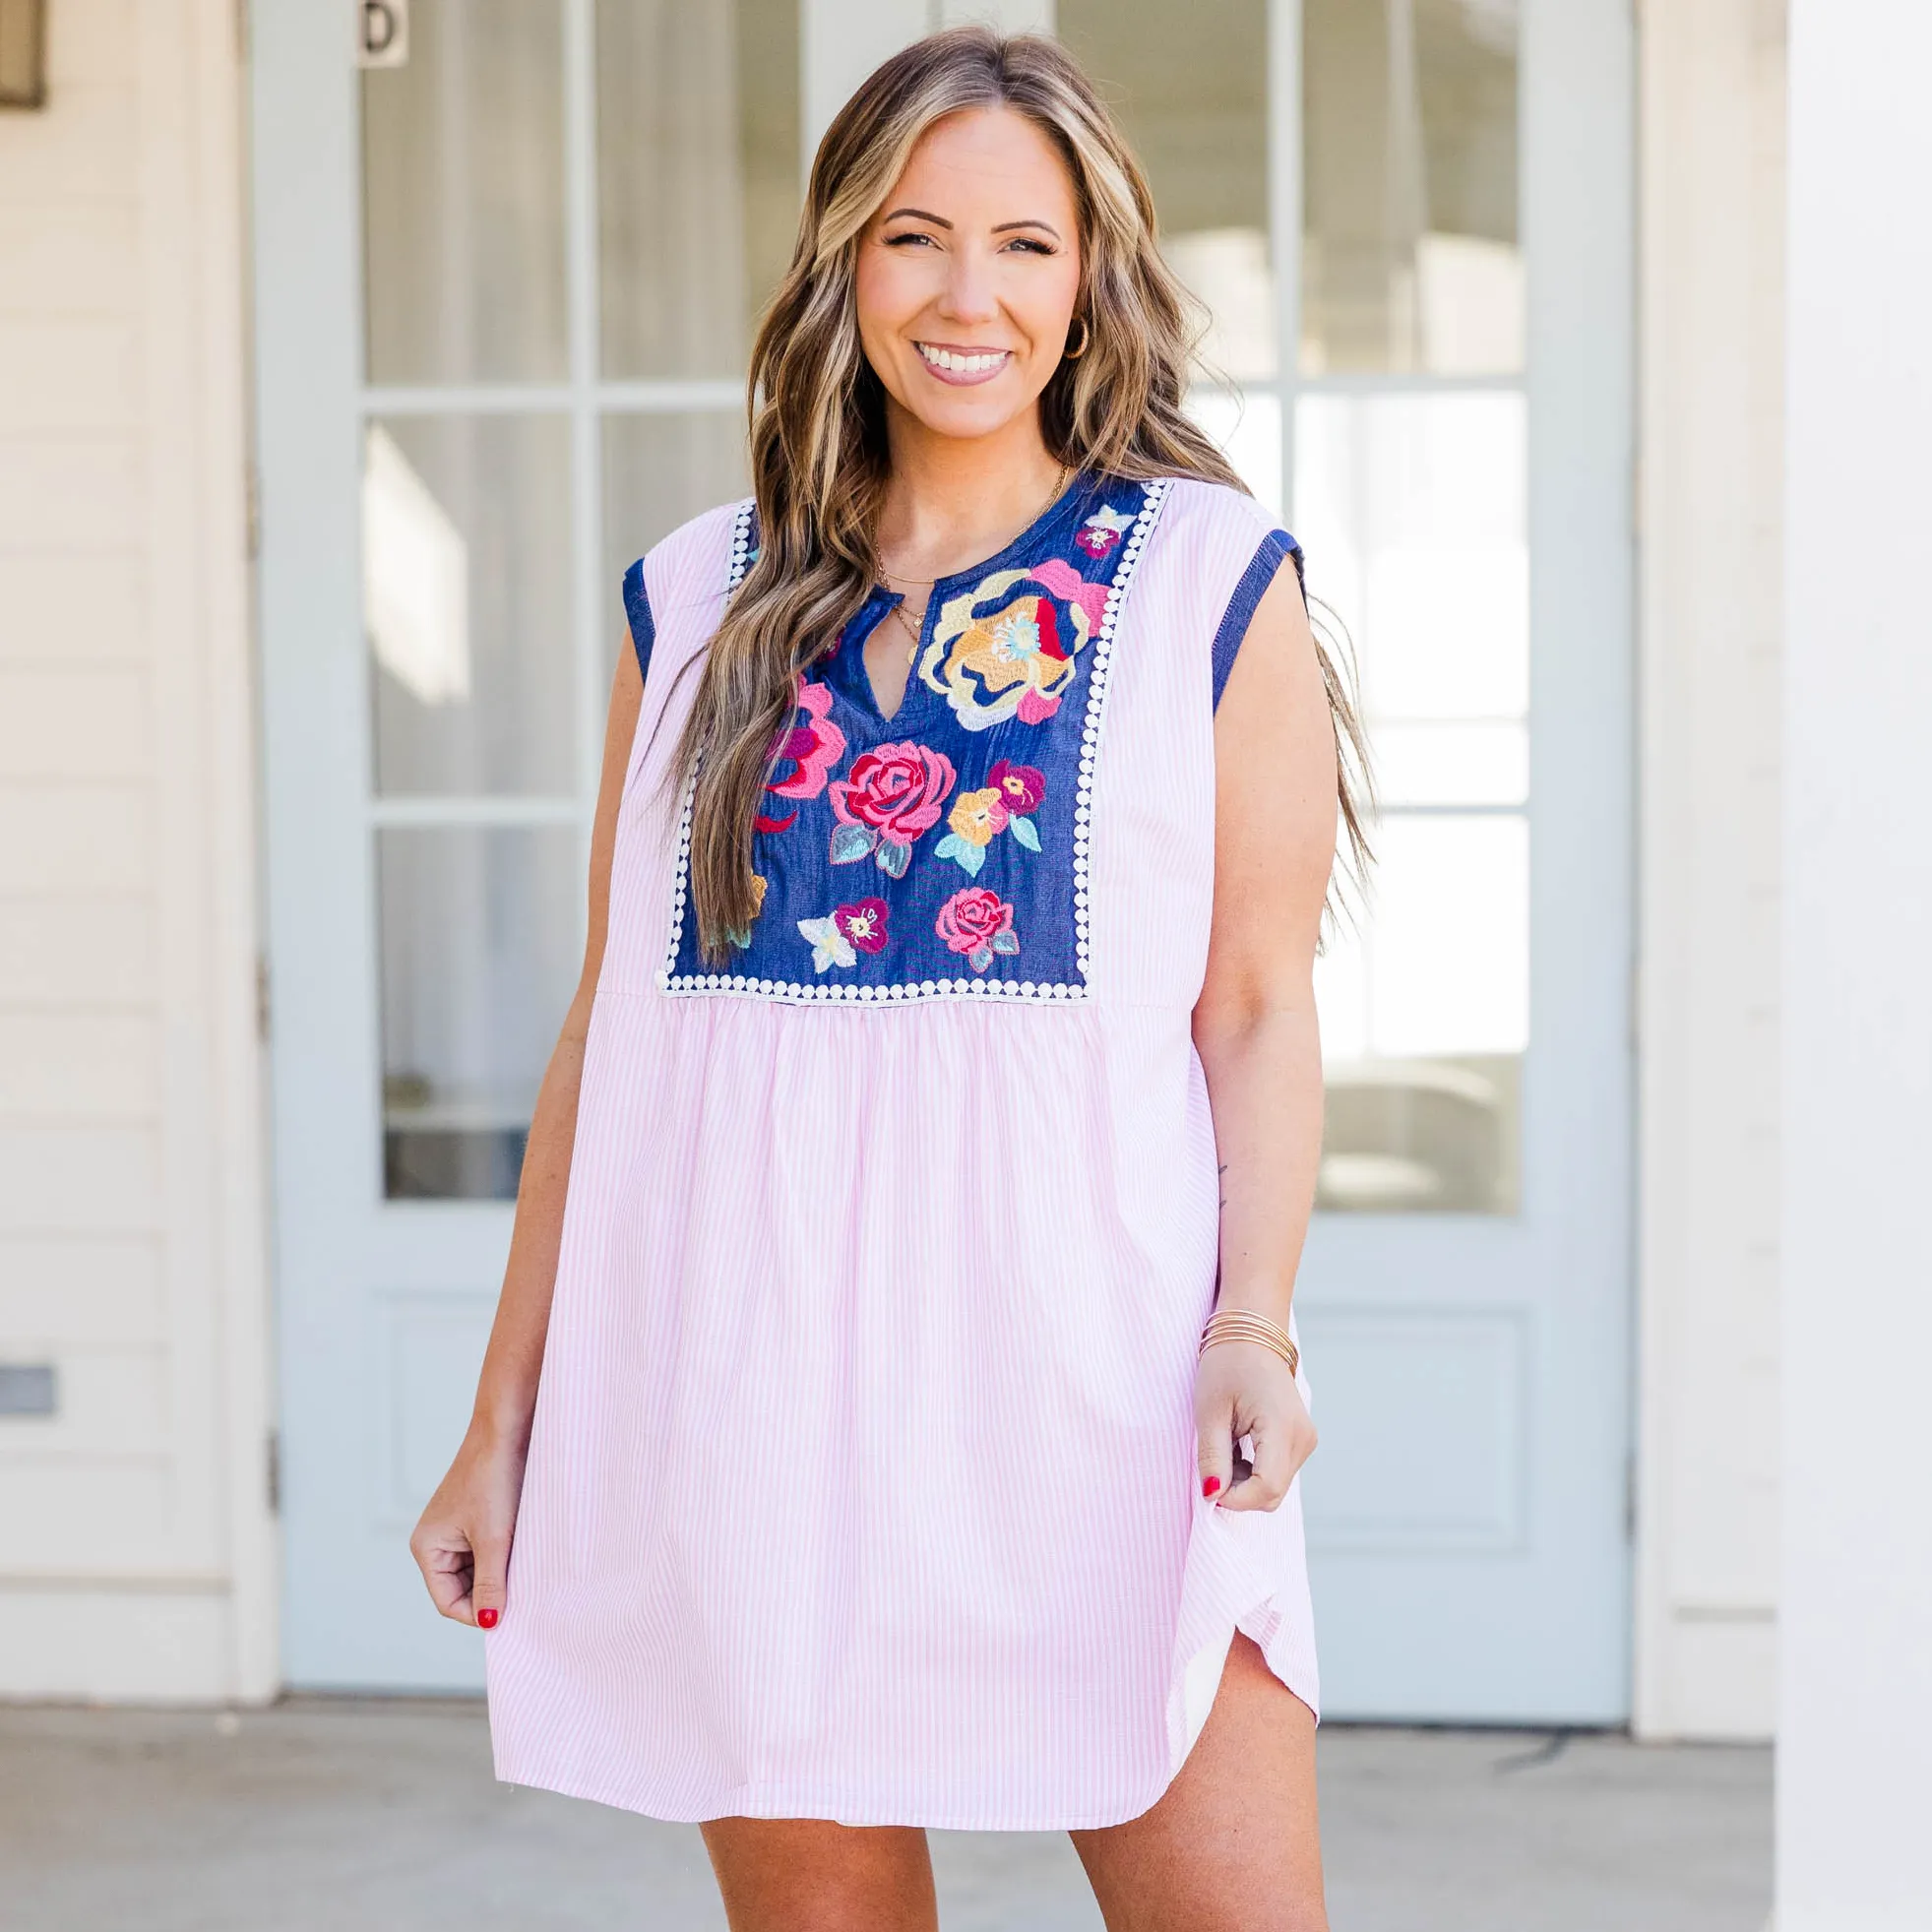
x=862, y=1478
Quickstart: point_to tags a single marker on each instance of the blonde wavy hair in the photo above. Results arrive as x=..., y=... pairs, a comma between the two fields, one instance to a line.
x=819, y=460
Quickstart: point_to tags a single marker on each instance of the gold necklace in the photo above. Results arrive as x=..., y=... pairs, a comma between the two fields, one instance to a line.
x=914, y=623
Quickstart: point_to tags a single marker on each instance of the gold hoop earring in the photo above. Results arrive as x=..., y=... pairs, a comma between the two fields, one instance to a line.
x=1086, y=337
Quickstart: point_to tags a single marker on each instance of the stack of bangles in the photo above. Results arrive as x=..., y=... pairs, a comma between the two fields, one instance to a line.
x=1243, y=1325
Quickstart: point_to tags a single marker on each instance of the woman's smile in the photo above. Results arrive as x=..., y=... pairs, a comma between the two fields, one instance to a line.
x=954, y=363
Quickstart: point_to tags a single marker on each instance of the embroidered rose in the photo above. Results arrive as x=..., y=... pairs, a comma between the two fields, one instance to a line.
x=978, y=923
x=893, y=795
x=1102, y=530
x=978, y=817
x=844, y=933
x=811, y=746
x=863, y=924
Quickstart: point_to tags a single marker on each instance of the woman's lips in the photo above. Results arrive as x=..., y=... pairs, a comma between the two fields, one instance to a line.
x=961, y=366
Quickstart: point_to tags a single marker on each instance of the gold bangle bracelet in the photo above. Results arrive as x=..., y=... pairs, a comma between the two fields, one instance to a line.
x=1244, y=1325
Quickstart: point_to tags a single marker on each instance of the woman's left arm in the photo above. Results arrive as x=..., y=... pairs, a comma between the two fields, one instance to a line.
x=1254, y=1029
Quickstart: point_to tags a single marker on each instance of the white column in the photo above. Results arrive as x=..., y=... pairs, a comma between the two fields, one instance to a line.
x=1855, y=1724
x=843, y=41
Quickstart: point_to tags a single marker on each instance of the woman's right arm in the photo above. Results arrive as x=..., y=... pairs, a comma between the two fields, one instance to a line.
x=461, y=1545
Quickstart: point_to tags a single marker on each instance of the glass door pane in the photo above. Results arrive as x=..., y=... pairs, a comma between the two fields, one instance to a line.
x=1411, y=258
x=698, y=179
x=462, y=197
x=465, y=572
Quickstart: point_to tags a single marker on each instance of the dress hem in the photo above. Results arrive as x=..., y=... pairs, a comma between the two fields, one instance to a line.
x=774, y=1801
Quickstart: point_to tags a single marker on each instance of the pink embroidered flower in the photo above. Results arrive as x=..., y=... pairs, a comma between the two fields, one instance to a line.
x=813, y=746
x=893, y=795
x=863, y=924
x=1021, y=786
x=978, y=923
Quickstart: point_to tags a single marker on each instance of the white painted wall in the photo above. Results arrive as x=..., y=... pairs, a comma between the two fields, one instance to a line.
x=1855, y=1720
x=135, y=1546
x=1711, y=536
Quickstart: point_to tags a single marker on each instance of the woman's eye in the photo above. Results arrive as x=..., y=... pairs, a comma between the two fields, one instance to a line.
x=904, y=240
x=1030, y=246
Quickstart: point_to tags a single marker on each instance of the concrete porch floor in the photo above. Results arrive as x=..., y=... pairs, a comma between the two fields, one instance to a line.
x=324, y=1813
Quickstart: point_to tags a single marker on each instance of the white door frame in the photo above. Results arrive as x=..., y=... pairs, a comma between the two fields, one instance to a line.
x=437, y=1264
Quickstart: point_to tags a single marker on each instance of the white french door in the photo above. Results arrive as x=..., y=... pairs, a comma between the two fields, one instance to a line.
x=504, y=293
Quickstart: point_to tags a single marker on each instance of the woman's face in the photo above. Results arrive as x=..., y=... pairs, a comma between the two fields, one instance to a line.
x=969, y=274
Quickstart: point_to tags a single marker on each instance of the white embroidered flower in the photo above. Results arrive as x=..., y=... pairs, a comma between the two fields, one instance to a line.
x=830, y=946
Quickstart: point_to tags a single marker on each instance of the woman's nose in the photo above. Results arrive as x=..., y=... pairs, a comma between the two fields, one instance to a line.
x=968, y=292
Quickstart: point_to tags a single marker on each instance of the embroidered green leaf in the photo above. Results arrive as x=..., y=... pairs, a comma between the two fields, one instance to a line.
x=1006, y=942
x=849, y=842
x=980, y=958
x=1023, y=830
x=894, y=857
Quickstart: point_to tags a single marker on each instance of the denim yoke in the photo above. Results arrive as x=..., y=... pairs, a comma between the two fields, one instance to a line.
x=941, y=852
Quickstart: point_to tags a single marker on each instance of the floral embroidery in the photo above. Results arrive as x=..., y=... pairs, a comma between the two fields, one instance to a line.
x=1021, y=789
x=811, y=748
x=978, y=923
x=1029, y=647
x=1101, y=532
x=1012, y=793
x=892, y=795
x=1016, y=657
x=864, y=924
x=743, y=939
x=847, y=933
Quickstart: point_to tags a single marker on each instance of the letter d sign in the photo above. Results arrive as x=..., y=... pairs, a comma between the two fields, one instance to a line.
x=382, y=34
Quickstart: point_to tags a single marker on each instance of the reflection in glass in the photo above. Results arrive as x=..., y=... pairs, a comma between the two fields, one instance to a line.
x=1411, y=258
x=465, y=556
x=1413, y=510
x=698, y=189
x=480, y=934
x=1190, y=84
x=658, y=472
x=463, y=188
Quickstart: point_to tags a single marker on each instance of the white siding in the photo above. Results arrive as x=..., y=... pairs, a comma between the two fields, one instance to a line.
x=136, y=1558
x=1710, y=537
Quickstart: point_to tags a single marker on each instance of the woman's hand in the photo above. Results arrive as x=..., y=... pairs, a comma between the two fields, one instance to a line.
x=461, y=1545
x=1242, y=1389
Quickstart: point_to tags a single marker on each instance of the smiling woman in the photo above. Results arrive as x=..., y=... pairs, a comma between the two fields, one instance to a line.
x=893, y=1396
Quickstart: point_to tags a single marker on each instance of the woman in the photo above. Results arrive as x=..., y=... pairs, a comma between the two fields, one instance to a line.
x=967, y=815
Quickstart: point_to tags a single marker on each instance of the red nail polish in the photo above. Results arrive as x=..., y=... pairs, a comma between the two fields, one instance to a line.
x=1210, y=1485
x=486, y=1619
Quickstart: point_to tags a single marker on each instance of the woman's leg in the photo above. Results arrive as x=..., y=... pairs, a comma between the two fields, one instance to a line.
x=1233, y=1846
x=808, y=1875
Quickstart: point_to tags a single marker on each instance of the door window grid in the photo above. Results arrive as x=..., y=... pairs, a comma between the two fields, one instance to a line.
x=1421, y=1129
x=596, y=412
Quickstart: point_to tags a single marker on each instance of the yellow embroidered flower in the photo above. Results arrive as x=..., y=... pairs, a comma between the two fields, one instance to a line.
x=978, y=815
x=996, y=656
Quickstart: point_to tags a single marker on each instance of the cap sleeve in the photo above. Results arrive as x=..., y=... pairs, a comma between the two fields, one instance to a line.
x=1276, y=546
x=637, y=610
